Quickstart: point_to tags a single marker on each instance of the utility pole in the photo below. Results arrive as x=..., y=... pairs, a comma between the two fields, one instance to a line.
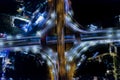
x=114, y=56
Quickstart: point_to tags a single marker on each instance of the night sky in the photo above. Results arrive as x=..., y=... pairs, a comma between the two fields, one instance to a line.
x=8, y=6
x=101, y=12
